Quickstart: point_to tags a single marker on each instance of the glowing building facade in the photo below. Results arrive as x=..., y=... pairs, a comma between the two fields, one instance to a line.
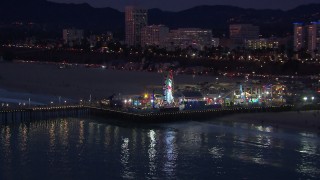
x=135, y=20
x=307, y=37
x=240, y=33
x=262, y=44
x=72, y=37
x=313, y=37
x=154, y=35
x=186, y=37
x=299, y=36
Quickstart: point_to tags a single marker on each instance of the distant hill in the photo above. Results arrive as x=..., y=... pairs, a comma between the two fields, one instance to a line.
x=61, y=15
x=58, y=16
x=277, y=22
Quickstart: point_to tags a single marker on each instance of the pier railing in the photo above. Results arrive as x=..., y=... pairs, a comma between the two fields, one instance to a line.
x=152, y=117
x=9, y=115
x=50, y=112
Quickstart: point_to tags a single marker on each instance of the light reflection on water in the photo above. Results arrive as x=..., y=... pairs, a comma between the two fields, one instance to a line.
x=171, y=154
x=309, y=150
x=152, y=152
x=88, y=149
x=125, y=154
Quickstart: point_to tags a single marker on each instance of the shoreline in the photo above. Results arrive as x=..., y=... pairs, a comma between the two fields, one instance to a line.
x=78, y=83
x=15, y=96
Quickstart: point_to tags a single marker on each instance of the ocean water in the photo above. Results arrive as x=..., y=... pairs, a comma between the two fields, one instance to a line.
x=76, y=148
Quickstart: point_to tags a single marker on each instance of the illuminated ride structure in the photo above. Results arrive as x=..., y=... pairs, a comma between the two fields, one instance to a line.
x=258, y=94
x=168, y=100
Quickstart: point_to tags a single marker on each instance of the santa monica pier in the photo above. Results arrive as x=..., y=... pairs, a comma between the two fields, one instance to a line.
x=176, y=102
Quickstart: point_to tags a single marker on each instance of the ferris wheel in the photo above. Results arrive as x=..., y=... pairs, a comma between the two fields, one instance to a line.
x=168, y=89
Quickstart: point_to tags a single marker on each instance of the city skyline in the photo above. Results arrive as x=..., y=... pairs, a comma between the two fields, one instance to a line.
x=178, y=5
x=150, y=89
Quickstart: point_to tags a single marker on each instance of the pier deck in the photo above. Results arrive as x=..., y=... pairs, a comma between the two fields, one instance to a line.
x=46, y=112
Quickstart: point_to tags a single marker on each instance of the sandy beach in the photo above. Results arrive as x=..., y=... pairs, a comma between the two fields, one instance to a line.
x=46, y=82
x=80, y=82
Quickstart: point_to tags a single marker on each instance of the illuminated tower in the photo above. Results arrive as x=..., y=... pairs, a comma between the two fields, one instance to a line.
x=313, y=37
x=299, y=36
x=135, y=20
x=168, y=89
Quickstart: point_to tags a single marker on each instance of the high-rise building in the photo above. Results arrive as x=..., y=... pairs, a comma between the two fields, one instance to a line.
x=307, y=37
x=215, y=42
x=299, y=39
x=240, y=33
x=72, y=37
x=154, y=35
x=313, y=37
x=135, y=20
x=185, y=37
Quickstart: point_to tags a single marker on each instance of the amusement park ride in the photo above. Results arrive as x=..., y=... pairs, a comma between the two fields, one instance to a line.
x=239, y=94
x=168, y=99
x=168, y=90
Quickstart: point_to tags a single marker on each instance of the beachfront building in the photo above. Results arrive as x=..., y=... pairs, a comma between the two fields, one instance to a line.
x=299, y=40
x=72, y=37
x=307, y=37
x=135, y=19
x=240, y=33
x=154, y=35
x=313, y=39
x=189, y=37
x=262, y=44
x=101, y=39
x=215, y=42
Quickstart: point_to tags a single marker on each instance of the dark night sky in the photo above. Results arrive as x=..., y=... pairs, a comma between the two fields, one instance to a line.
x=176, y=5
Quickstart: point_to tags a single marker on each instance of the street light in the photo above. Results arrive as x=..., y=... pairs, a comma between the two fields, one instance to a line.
x=305, y=98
